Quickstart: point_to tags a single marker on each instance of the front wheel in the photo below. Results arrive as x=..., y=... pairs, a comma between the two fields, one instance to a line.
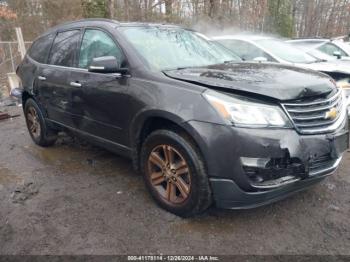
x=174, y=173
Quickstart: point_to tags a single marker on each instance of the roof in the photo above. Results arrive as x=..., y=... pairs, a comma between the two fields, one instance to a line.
x=93, y=21
x=148, y=24
x=310, y=40
x=81, y=22
x=306, y=44
x=242, y=37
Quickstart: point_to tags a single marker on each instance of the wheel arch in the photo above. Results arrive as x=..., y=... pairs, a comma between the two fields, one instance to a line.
x=25, y=96
x=153, y=120
x=28, y=95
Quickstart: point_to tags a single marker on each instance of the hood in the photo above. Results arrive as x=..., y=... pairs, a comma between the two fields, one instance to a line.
x=335, y=66
x=268, y=79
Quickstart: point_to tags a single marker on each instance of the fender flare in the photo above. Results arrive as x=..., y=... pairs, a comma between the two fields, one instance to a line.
x=138, y=122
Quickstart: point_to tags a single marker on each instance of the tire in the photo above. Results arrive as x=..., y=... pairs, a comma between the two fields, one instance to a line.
x=41, y=134
x=182, y=193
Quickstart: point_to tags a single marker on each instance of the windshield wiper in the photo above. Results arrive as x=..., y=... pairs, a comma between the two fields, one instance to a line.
x=184, y=67
x=188, y=67
x=230, y=61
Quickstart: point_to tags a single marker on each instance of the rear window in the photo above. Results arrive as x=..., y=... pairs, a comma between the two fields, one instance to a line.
x=40, y=49
x=64, y=48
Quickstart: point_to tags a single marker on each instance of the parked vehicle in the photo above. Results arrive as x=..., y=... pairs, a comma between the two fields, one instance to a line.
x=264, y=48
x=200, y=125
x=344, y=83
x=337, y=48
x=320, y=55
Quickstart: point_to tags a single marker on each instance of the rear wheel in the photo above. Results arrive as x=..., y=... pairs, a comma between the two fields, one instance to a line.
x=174, y=173
x=38, y=129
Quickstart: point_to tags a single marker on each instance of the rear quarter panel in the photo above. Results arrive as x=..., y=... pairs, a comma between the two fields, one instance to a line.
x=27, y=72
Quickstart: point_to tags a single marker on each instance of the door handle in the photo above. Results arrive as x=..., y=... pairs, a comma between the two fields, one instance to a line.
x=75, y=84
x=42, y=78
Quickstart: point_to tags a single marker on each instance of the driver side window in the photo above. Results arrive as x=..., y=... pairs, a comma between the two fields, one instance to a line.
x=97, y=44
x=330, y=48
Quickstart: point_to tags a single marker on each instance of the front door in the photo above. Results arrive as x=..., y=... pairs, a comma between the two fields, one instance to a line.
x=100, y=100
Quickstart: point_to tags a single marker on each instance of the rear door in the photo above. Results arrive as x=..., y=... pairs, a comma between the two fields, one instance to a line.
x=100, y=101
x=54, y=78
x=30, y=68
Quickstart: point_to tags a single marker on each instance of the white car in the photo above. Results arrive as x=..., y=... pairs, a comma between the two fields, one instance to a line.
x=337, y=48
x=321, y=56
x=269, y=49
x=264, y=48
x=343, y=83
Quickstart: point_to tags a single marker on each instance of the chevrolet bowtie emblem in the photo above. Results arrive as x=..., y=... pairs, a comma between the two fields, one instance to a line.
x=331, y=114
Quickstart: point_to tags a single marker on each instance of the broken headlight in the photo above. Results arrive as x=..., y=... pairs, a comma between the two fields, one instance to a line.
x=243, y=112
x=344, y=84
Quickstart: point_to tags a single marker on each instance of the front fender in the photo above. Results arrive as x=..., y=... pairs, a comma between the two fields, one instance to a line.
x=141, y=119
x=143, y=116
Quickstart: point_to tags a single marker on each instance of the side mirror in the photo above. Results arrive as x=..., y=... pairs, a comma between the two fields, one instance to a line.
x=337, y=54
x=105, y=65
x=260, y=59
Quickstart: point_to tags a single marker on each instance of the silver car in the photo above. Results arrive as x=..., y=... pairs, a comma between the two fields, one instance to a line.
x=264, y=48
x=269, y=49
x=337, y=48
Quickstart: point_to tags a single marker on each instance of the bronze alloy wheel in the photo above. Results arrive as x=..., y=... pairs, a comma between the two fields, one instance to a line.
x=169, y=174
x=33, y=122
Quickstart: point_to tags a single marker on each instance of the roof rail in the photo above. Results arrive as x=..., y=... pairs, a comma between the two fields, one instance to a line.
x=84, y=20
x=306, y=38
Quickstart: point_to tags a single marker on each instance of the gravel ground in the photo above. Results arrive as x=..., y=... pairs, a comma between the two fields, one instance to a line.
x=74, y=198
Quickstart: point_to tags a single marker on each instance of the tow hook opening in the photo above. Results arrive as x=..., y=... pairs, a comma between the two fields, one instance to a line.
x=269, y=173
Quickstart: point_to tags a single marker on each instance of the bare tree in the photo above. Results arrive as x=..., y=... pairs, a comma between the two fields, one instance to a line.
x=298, y=17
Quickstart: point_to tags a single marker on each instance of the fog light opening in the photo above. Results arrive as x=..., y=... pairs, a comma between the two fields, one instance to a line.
x=267, y=173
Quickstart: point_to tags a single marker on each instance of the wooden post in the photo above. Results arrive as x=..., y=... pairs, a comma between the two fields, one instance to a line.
x=11, y=57
x=21, y=46
x=13, y=81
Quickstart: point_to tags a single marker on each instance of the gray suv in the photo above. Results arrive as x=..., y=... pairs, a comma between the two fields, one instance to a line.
x=202, y=126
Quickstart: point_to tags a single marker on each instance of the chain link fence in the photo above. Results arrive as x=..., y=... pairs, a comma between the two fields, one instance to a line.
x=10, y=57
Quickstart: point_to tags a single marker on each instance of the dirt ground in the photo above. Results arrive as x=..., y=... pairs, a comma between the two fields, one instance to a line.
x=74, y=198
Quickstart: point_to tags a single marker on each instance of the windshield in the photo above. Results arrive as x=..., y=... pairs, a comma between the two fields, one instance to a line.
x=285, y=51
x=172, y=48
x=225, y=49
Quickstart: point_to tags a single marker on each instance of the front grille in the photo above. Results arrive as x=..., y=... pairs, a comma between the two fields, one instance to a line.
x=309, y=117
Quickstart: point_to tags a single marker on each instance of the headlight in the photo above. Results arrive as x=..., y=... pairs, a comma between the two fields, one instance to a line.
x=344, y=84
x=242, y=112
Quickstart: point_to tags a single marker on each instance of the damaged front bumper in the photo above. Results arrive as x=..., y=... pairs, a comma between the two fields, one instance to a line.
x=252, y=167
x=229, y=196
